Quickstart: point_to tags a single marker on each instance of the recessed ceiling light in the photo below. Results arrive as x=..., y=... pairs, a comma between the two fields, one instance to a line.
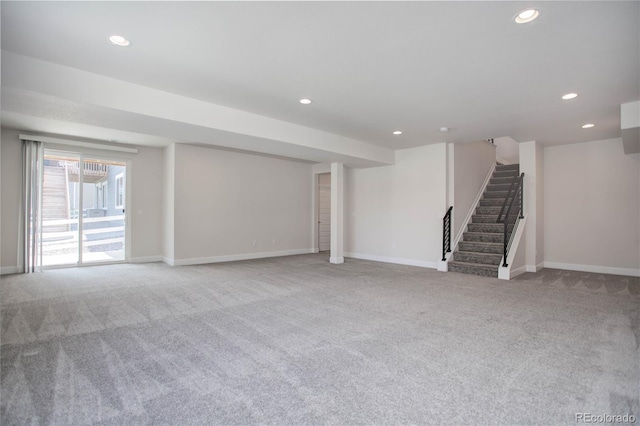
x=526, y=15
x=444, y=129
x=305, y=101
x=588, y=125
x=397, y=132
x=569, y=96
x=119, y=40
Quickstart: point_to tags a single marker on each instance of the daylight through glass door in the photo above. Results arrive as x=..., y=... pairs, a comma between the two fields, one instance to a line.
x=83, y=207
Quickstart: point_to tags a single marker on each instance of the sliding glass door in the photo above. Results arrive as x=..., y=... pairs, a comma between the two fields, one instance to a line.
x=83, y=209
x=59, y=230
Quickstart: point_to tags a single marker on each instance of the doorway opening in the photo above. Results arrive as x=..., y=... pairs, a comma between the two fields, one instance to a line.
x=324, y=211
x=83, y=210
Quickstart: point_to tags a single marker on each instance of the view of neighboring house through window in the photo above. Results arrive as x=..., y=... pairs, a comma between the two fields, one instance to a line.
x=102, y=194
x=120, y=191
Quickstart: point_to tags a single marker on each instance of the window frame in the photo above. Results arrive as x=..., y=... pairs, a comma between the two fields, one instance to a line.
x=120, y=191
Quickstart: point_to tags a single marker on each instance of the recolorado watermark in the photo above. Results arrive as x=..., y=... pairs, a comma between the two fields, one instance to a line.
x=605, y=418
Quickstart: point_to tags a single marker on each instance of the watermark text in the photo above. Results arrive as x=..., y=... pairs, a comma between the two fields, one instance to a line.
x=605, y=418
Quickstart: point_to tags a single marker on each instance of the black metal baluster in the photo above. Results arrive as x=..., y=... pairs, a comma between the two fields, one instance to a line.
x=446, y=234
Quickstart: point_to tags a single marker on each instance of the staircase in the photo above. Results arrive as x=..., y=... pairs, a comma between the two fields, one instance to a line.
x=54, y=197
x=481, y=248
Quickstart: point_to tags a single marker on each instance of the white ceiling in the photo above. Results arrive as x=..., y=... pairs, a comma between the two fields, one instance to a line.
x=370, y=67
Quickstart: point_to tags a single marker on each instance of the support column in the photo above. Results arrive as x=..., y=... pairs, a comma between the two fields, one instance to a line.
x=532, y=164
x=337, y=213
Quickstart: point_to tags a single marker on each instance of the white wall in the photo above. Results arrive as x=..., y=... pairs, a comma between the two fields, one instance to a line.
x=394, y=213
x=507, y=150
x=10, y=199
x=231, y=206
x=592, y=208
x=630, y=115
x=145, y=209
x=472, y=162
x=1, y=204
x=630, y=127
x=147, y=176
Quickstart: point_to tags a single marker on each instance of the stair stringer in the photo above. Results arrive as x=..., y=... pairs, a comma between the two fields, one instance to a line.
x=443, y=264
x=516, y=265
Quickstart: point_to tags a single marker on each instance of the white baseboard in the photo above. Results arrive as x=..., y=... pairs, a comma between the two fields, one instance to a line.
x=630, y=272
x=336, y=260
x=316, y=250
x=535, y=268
x=235, y=257
x=396, y=260
x=146, y=259
x=506, y=273
x=8, y=270
x=518, y=271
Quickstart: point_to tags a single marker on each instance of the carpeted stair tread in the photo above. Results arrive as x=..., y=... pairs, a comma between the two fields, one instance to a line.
x=478, y=257
x=502, y=180
x=484, y=218
x=488, y=210
x=481, y=247
x=473, y=268
x=502, y=167
x=499, y=187
x=492, y=202
x=508, y=173
x=483, y=237
x=495, y=194
x=487, y=228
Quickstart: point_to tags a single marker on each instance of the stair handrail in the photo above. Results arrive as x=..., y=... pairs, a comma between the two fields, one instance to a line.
x=513, y=193
x=446, y=234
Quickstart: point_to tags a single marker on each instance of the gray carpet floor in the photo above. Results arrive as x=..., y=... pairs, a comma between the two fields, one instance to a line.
x=296, y=340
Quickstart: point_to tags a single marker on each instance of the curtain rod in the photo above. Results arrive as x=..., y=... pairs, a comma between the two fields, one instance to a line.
x=48, y=139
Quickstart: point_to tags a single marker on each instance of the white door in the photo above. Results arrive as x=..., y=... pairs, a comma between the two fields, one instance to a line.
x=324, y=215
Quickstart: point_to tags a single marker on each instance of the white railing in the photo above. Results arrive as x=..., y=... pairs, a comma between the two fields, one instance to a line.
x=84, y=220
x=90, y=169
x=58, y=236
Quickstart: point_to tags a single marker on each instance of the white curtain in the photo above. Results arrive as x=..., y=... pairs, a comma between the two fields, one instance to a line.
x=32, y=155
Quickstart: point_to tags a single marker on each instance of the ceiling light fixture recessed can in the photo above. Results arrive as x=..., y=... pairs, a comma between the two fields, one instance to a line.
x=305, y=101
x=444, y=129
x=526, y=15
x=118, y=40
x=397, y=132
x=568, y=96
x=588, y=125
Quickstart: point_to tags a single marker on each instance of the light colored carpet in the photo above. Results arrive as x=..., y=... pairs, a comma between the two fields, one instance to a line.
x=296, y=340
